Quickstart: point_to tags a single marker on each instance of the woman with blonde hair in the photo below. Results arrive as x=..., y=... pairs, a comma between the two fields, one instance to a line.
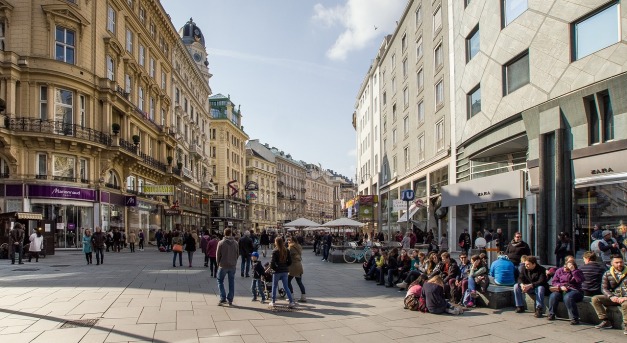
x=296, y=268
x=280, y=262
x=433, y=293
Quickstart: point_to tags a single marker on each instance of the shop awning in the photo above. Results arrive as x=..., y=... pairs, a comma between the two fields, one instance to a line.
x=499, y=187
x=22, y=215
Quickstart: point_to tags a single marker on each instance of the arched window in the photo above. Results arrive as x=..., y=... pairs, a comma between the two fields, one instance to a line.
x=4, y=168
x=112, y=180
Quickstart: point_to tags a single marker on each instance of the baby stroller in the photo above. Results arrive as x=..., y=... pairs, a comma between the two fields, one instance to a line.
x=267, y=283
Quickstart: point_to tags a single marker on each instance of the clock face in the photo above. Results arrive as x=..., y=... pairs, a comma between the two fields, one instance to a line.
x=197, y=57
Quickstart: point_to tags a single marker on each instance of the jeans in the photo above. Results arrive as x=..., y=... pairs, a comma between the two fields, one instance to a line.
x=390, y=277
x=325, y=252
x=520, y=300
x=257, y=289
x=275, y=284
x=132, y=246
x=88, y=257
x=213, y=266
x=16, y=248
x=245, y=262
x=230, y=273
x=141, y=244
x=180, y=259
x=99, y=255
x=190, y=257
x=299, y=282
x=570, y=299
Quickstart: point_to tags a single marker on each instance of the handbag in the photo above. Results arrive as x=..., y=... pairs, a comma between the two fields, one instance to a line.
x=177, y=248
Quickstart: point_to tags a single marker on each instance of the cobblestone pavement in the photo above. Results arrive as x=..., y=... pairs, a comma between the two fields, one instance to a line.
x=140, y=297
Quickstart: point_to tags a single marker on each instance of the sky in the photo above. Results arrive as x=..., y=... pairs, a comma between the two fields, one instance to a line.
x=294, y=66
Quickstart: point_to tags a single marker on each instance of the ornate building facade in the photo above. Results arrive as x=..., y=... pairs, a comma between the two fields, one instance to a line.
x=261, y=171
x=90, y=119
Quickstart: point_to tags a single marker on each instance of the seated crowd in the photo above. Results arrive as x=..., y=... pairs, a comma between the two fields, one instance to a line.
x=437, y=283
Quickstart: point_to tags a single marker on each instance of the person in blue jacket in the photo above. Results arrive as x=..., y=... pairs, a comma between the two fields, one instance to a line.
x=502, y=271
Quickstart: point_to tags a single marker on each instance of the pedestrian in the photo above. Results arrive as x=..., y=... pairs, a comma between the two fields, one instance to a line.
x=264, y=241
x=98, y=240
x=226, y=257
x=190, y=247
x=159, y=238
x=204, y=239
x=464, y=241
x=500, y=239
x=296, y=268
x=212, y=247
x=405, y=242
x=177, y=249
x=258, y=272
x=117, y=238
x=141, y=240
x=132, y=239
x=16, y=241
x=87, y=246
x=327, y=241
x=443, y=243
x=516, y=248
x=245, y=249
x=280, y=262
x=36, y=245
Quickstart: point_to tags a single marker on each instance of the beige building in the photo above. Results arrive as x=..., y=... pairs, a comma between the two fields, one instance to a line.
x=89, y=114
x=229, y=207
x=403, y=115
x=291, y=175
x=319, y=194
x=261, y=171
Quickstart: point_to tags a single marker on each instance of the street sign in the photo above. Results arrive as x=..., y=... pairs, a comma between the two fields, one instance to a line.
x=407, y=195
x=398, y=204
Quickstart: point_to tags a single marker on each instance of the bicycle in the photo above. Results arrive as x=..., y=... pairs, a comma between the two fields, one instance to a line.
x=352, y=254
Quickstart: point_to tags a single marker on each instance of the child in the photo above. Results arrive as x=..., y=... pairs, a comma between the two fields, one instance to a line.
x=258, y=273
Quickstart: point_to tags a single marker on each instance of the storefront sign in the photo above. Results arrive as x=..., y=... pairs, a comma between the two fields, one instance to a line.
x=14, y=191
x=159, y=189
x=130, y=201
x=251, y=186
x=505, y=186
x=368, y=199
x=171, y=212
x=144, y=206
x=42, y=191
x=251, y=195
x=601, y=165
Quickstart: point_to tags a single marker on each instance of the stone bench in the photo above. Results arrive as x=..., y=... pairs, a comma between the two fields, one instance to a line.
x=586, y=311
x=496, y=297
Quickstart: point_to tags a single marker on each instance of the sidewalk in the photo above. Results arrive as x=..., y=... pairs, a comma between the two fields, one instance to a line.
x=140, y=297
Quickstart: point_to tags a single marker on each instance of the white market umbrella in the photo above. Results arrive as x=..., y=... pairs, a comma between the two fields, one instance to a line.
x=301, y=222
x=291, y=229
x=343, y=222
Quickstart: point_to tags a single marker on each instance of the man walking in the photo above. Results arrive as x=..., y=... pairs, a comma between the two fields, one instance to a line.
x=16, y=239
x=245, y=249
x=226, y=256
x=327, y=241
x=98, y=242
x=614, y=288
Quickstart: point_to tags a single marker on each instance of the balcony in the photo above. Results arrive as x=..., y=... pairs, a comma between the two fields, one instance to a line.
x=122, y=92
x=39, y=126
x=187, y=173
x=196, y=150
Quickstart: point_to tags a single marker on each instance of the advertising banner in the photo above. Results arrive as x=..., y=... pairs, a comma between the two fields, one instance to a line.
x=159, y=189
x=43, y=191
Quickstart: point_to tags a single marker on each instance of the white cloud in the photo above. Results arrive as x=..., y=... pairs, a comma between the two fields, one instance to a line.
x=358, y=18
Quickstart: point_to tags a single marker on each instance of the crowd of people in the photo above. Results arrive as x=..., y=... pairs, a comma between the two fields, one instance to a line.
x=436, y=283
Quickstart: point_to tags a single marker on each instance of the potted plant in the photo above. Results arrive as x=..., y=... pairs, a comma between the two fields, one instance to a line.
x=115, y=128
x=179, y=165
x=136, y=139
x=169, y=158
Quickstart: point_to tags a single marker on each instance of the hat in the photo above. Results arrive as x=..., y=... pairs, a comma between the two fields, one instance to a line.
x=606, y=232
x=255, y=254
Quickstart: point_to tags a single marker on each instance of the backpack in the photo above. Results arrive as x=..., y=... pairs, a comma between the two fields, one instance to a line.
x=595, y=246
x=414, y=303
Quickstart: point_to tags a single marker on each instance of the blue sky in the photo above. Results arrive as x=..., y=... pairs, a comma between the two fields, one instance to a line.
x=294, y=66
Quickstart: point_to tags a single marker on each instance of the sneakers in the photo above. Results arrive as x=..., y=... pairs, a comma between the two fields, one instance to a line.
x=550, y=316
x=402, y=285
x=538, y=313
x=291, y=305
x=520, y=309
x=271, y=304
x=254, y=299
x=303, y=299
x=471, y=304
x=625, y=332
x=574, y=321
x=222, y=302
x=263, y=301
x=454, y=311
x=605, y=324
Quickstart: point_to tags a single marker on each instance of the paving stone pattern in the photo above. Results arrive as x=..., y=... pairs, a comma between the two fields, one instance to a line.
x=139, y=297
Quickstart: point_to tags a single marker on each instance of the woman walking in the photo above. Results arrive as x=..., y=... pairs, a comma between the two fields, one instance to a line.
x=280, y=262
x=132, y=239
x=296, y=268
x=87, y=248
x=177, y=249
x=36, y=243
x=190, y=246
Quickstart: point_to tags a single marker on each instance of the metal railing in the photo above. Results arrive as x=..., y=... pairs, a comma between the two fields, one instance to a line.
x=56, y=128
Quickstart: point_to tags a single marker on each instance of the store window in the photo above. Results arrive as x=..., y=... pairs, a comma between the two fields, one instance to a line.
x=63, y=168
x=601, y=205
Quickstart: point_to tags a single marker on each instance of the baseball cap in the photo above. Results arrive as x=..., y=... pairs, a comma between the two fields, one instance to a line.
x=255, y=254
x=607, y=232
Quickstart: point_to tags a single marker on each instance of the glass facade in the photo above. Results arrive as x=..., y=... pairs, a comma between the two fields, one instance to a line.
x=605, y=205
x=70, y=222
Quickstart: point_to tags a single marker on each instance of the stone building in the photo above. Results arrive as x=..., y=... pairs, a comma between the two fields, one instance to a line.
x=291, y=189
x=87, y=128
x=261, y=170
x=539, y=97
x=229, y=207
x=319, y=194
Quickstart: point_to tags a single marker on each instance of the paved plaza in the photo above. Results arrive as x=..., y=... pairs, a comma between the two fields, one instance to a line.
x=140, y=297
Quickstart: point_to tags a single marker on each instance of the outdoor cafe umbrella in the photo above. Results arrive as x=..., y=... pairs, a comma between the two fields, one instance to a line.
x=343, y=222
x=301, y=222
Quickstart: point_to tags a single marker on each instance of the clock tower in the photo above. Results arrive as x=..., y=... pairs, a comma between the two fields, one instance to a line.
x=192, y=37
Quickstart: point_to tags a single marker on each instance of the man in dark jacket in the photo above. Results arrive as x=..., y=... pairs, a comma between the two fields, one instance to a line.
x=464, y=241
x=500, y=239
x=532, y=280
x=16, y=242
x=593, y=272
x=327, y=241
x=98, y=240
x=614, y=288
x=226, y=257
x=450, y=271
x=245, y=249
x=516, y=248
x=264, y=242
